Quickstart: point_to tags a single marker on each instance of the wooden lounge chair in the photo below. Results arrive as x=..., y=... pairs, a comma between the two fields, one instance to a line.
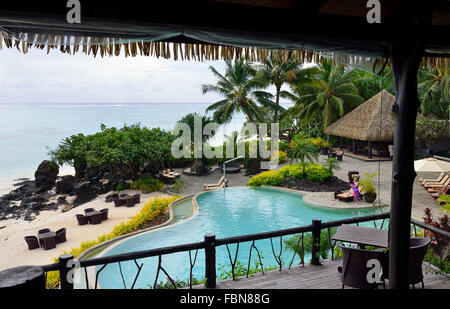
x=60, y=235
x=430, y=184
x=172, y=172
x=82, y=219
x=439, y=178
x=167, y=178
x=438, y=187
x=32, y=242
x=354, y=268
x=418, y=249
x=214, y=185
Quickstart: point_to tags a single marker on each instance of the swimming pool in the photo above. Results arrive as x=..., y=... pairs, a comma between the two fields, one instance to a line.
x=226, y=212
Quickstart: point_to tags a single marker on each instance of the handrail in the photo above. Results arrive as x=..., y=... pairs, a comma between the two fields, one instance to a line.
x=210, y=243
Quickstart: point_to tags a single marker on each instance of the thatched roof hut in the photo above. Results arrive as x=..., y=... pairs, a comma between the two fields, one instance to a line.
x=371, y=121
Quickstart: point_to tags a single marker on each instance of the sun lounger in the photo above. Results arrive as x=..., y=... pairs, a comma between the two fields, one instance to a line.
x=173, y=173
x=439, y=178
x=430, y=184
x=167, y=178
x=221, y=184
x=437, y=186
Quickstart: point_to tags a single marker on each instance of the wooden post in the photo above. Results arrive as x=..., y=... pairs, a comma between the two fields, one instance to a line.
x=210, y=260
x=370, y=150
x=64, y=268
x=315, y=241
x=405, y=57
x=354, y=146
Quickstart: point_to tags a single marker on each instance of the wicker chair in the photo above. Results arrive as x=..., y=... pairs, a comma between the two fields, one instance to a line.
x=60, y=235
x=418, y=249
x=104, y=213
x=32, y=242
x=42, y=231
x=89, y=210
x=118, y=202
x=129, y=201
x=82, y=219
x=137, y=198
x=354, y=270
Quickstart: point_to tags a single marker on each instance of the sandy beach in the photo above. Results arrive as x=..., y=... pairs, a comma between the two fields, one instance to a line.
x=14, y=250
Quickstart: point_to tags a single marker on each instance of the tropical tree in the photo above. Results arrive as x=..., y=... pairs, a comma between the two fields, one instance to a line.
x=190, y=119
x=303, y=150
x=329, y=94
x=370, y=84
x=241, y=93
x=434, y=93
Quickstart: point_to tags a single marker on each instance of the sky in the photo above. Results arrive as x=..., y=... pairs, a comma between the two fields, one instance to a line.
x=36, y=77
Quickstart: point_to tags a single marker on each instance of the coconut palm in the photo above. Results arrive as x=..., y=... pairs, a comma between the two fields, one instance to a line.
x=302, y=149
x=434, y=93
x=328, y=94
x=240, y=91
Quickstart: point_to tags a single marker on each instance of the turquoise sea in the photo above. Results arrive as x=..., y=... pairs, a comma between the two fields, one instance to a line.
x=28, y=131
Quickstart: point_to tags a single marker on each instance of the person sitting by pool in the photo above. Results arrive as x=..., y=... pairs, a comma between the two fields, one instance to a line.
x=354, y=186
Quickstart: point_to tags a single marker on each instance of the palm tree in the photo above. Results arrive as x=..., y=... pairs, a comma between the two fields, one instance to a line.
x=434, y=93
x=370, y=84
x=328, y=94
x=240, y=92
x=303, y=149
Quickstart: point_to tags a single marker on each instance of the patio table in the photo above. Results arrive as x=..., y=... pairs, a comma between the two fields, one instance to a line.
x=90, y=214
x=45, y=240
x=362, y=236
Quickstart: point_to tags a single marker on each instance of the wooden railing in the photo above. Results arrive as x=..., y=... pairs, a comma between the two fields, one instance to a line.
x=209, y=245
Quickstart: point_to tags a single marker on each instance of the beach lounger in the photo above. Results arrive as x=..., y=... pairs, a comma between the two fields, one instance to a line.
x=215, y=184
x=221, y=184
x=167, y=178
x=430, y=184
x=438, y=185
x=173, y=173
x=439, y=178
x=438, y=188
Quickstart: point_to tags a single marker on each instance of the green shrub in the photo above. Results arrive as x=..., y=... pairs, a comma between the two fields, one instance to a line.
x=123, y=186
x=148, y=184
x=294, y=171
x=318, y=173
x=269, y=178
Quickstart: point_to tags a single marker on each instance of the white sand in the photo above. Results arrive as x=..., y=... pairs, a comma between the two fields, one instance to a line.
x=14, y=249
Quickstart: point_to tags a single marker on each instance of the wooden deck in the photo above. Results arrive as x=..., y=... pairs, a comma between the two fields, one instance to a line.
x=325, y=276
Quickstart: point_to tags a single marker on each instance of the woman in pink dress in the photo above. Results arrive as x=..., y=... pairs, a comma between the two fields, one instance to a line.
x=354, y=186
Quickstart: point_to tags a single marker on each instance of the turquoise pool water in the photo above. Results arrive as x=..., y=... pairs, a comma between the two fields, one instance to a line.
x=225, y=212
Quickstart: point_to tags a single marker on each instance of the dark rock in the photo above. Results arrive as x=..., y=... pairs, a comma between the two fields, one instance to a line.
x=45, y=175
x=62, y=200
x=33, y=201
x=65, y=185
x=27, y=188
x=199, y=169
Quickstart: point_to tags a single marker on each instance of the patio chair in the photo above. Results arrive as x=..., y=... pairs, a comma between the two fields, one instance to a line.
x=173, y=173
x=339, y=155
x=137, y=198
x=354, y=266
x=89, y=210
x=418, y=249
x=130, y=201
x=82, y=219
x=32, y=242
x=42, y=231
x=60, y=235
x=123, y=195
x=439, y=178
x=167, y=178
x=96, y=219
x=104, y=213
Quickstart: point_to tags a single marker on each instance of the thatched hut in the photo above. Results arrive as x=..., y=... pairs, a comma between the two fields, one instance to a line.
x=371, y=121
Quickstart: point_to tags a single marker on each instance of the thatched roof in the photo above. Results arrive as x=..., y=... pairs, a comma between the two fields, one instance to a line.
x=371, y=121
x=227, y=29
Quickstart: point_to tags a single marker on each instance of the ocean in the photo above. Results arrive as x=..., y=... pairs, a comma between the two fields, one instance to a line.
x=29, y=131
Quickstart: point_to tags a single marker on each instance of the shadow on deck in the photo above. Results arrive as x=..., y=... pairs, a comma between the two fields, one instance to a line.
x=325, y=276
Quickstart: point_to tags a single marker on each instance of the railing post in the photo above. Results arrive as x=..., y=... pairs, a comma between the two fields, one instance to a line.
x=210, y=260
x=64, y=268
x=316, y=241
